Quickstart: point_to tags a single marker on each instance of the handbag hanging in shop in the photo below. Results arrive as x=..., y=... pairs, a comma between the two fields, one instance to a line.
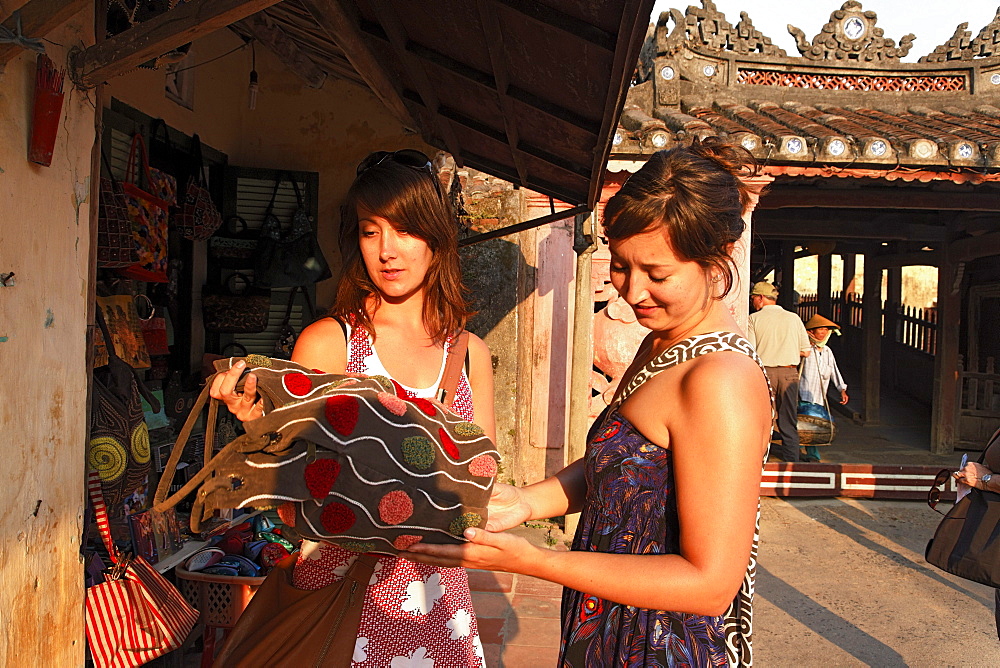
x=293, y=258
x=118, y=448
x=115, y=246
x=198, y=218
x=149, y=211
x=237, y=307
x=235, y=249
x=350, y=460
x=122, y=319
x=135, y=615
x=967, y=541
x=286, y=627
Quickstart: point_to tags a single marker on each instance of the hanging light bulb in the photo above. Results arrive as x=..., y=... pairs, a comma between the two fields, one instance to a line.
x=253, y=78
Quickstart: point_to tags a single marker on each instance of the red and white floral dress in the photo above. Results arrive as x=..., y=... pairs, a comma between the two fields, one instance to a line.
x=414, y=615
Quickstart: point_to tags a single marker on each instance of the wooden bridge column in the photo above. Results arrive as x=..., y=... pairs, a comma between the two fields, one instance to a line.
x=824, y=286
x=871, y=331
x=850, y=268
x=786, y=294
x=947, y=389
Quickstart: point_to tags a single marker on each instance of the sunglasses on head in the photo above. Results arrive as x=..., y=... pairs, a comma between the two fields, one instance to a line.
x=407, y=157
x=934, y=494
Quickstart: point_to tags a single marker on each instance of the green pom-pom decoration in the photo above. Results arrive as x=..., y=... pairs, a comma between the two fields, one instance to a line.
x=259, y=360
x=384, y=382
x=468, y=429
x=361, y=546
x=418, y=452
x=463, y=522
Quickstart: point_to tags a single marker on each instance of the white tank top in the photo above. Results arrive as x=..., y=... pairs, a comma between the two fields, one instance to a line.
x=373, y=367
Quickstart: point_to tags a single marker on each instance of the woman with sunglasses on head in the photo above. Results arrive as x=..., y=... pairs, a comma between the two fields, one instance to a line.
x=400, y=304
x=661, y=570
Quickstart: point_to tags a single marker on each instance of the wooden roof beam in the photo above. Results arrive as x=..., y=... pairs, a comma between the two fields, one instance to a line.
x=834, y=226
x=339, y=19
x=569, y=24
x=160, y=34
x=265, y=31
x=38, y=18
x=495, y=46
x=455, y=116
x=398, y=39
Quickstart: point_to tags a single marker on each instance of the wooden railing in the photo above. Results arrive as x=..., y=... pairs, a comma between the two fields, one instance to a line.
x=914, y=327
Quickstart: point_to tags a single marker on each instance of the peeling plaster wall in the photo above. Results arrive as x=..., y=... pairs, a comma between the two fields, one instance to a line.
x=327, y=130
x=45, y=240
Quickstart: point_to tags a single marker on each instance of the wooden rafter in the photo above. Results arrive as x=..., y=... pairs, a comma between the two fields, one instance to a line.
x=843, y=225
x=158, y=35
x=479, y=127
x=398, y=38
x=340, y=22
x=486, y=80
x=493, y=35
x=274, y=38
x=38, y=18
x=556, y=19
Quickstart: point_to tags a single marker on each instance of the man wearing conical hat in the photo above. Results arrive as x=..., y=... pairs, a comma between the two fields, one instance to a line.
x=781, y=342
x=818, y=371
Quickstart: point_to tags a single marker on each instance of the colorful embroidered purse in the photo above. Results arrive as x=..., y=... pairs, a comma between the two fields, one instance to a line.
x=349, y=460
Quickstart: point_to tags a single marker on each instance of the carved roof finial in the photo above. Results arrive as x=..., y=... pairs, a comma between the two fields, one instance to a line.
x=961, y=46
x=708, y=26
x=851, y=34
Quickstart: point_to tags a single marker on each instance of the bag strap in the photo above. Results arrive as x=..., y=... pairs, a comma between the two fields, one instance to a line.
x=137, y=150
x=198, y=161
x=288, y=309
x=101, y=513
x=298, y=193
x=274, y=193
x=453, y=369
x=107, y=165
x=160, y=501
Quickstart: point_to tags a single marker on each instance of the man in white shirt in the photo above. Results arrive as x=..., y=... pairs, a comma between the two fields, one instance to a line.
x=781, y=342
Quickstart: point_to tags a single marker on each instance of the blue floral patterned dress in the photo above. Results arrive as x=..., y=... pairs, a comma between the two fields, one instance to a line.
x=631, y=508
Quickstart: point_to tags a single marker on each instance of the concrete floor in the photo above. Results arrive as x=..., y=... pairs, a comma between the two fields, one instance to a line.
x=841, y=582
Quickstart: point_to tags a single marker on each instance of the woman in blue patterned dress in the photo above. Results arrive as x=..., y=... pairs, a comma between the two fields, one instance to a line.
x=661, y=570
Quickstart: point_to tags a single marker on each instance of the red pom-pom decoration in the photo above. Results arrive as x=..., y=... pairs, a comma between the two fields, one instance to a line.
x=400, y=390
x=406, y=541
x=393, y=404
x=286, y=512
x=342, y=414
x=337, y=518
x=424, y=405
x=449, y=445
x=320, y=476
x=395, y=507
x=483, y=466
x=297, y=384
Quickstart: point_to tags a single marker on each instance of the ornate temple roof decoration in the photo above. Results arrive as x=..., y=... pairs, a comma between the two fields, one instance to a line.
x=961, y=46
x=846, y=103
x=709, y=26
x=851, y=34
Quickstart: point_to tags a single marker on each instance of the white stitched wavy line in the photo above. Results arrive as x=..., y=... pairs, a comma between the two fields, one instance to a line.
x=378, y=525
x=317, y=532
x=389, y=452
x=276, y=464
x=269, y=497
x=389, y=482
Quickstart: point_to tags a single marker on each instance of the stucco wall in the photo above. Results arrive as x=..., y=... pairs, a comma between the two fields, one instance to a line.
x=44, y=239
x=327, y=130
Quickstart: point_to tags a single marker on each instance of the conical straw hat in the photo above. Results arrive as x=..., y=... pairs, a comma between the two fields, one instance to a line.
x=819, y=321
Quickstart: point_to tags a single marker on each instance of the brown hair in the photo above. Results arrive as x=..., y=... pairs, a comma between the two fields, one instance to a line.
x=695, y=193
x=408, y=197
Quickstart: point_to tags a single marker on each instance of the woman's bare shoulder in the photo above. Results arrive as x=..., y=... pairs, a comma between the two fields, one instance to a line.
x=322, y=345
